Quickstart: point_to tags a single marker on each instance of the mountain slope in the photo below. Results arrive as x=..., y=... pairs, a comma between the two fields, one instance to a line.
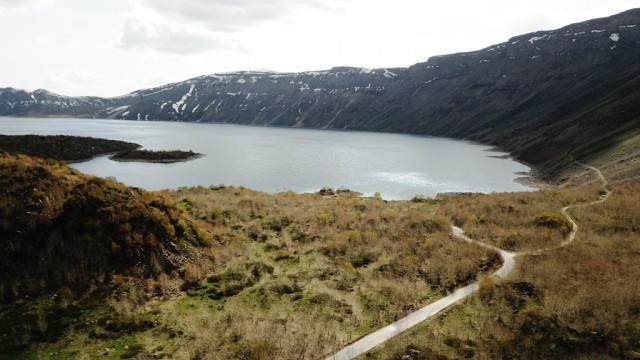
x=541, y=95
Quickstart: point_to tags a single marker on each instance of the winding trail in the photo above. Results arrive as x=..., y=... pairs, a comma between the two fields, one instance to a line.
x=379, y=337
x=603, y=198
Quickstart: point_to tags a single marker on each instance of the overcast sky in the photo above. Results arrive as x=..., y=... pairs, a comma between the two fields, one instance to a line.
x=109, y=48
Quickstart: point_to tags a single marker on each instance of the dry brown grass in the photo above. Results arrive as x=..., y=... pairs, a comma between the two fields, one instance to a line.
x=299, y=276
x=342, y=267
x=292, y=276
x=518, y=221
x=580, y=301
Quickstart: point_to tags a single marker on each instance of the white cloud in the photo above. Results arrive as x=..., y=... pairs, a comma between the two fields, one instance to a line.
x=21, y=6
x=229, y=15
x=71, y=82
x=24, y=3
x=171, y=38
x=128, y=42
x=73, y=77
x=220, y=15
x=197, y=26
x=138, y=35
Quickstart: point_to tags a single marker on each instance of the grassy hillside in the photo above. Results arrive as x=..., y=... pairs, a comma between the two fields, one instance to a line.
x=580, y=302
x=299, y=276
x=95, y=269
x=90, y=264
x=63, y=231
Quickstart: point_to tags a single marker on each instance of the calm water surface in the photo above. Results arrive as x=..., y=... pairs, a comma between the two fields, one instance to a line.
x=279, y=159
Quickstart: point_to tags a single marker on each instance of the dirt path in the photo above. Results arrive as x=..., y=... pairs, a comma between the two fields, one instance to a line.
x=381, y=336
x=377, y=338
x=603, y=198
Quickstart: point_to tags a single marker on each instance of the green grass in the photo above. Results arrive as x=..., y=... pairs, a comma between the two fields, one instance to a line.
x=289, y=276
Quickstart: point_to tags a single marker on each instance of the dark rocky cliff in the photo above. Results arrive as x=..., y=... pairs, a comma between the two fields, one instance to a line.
x=540, y=95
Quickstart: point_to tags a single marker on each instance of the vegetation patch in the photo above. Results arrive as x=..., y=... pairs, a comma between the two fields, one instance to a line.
x=170, y=156
x=232, y=282
x=228, y=272
x=62, y=147
x=552, y=220
x=578, y=302
x=65, y=232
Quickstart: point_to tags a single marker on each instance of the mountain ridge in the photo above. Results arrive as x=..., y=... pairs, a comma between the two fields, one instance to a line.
x=541, y=95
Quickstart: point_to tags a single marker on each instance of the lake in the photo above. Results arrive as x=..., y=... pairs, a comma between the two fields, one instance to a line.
x=274, y=159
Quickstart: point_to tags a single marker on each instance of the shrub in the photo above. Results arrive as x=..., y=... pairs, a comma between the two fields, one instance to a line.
x=283, y=289
x=363, y=258
x=551, y=220
x=487, y=288
x=282, y=254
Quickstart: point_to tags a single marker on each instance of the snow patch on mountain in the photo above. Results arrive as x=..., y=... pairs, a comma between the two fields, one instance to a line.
x=389, y=74
x=121, y=108
x=181, y=102
x=537, y=38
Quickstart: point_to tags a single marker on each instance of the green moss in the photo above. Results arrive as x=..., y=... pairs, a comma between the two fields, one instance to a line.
x=258, y=296
x=42, y=325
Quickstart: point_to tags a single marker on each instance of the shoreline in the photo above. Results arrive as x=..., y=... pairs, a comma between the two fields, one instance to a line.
x=533, y=182
x=531, y=178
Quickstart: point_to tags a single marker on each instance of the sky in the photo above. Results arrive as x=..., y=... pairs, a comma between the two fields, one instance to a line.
x=110, y=48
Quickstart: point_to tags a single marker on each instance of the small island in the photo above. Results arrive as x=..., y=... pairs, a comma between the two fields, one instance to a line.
x=170, y=156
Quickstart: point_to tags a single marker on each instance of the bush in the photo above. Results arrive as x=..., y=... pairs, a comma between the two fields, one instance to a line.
x=551, y=220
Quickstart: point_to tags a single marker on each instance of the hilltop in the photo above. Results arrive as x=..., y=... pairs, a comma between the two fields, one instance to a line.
x=63, y=231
